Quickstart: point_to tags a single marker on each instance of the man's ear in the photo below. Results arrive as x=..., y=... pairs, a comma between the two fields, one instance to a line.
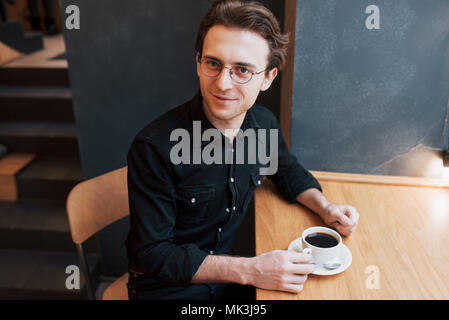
x=269, y=79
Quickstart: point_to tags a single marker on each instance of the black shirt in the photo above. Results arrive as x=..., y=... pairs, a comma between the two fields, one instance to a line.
x=180, y=213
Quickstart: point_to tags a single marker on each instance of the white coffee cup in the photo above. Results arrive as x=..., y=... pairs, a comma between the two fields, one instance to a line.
x=320, y=254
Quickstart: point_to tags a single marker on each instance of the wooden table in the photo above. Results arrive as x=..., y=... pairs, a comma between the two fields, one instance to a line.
x=400, y=249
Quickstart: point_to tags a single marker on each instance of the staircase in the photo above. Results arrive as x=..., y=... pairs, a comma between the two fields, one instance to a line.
x=36, y=117
x=11, y=34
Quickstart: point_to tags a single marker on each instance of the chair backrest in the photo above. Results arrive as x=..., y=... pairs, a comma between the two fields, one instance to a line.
x=95, y=203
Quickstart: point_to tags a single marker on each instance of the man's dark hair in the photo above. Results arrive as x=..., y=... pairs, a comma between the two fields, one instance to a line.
x=251, y=16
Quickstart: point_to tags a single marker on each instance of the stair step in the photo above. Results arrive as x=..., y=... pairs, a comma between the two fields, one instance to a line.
x=38, y=129
x=11, y=29
x=34, y=76
x=44, y=138
x=49, y=178
x=38, y=225
x=31, y=42
x=38, y=92
x=8, y=54
x=40, y=275
x=3, y=152
x=33, y=103
x=11, y=33
x=62, y=56
x=10, y=165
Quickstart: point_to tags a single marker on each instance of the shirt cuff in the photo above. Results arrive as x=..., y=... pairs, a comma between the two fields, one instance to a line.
x=298, y=183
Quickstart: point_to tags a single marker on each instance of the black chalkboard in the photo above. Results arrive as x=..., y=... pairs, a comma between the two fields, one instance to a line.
x=370, y=100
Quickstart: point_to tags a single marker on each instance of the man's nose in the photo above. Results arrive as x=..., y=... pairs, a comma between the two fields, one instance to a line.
x=224, y=80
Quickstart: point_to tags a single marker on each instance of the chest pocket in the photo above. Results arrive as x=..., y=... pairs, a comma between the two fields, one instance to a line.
x=193, y=204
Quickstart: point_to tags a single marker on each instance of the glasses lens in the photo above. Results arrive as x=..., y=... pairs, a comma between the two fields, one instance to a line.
x=241, y=74
x=210, y=67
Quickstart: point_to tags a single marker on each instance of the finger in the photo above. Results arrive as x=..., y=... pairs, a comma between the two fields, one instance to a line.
x=294, y=288
x=344, y=231
x=340, y=216
x=296, y=279
x=296, y=257
x=344, y=220
x=340, y=228
x=337, y=215
x=302, y=268
x=352, y=214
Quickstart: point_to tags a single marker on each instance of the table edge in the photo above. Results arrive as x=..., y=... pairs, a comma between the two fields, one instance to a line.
x=381, y=179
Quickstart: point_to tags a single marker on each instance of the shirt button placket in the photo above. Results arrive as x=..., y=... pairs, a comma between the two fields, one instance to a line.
x=219, y=238
x=219, y=235
x=232, y=186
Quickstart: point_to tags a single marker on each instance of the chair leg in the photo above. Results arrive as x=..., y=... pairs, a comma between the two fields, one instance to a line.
x=85, y=270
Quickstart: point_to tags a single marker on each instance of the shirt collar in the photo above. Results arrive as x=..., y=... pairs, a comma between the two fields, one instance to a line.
x=197, y=114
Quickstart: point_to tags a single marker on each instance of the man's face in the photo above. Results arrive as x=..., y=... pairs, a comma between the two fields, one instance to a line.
x=224, y=98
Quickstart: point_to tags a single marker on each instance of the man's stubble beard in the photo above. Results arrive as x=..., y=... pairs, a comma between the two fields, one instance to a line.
x=219, y=116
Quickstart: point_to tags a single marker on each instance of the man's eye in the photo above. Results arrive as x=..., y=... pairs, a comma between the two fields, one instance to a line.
x=212, y=64
x=242, y=70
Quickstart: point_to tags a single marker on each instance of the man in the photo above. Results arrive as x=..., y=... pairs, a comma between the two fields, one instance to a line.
x=184, y=216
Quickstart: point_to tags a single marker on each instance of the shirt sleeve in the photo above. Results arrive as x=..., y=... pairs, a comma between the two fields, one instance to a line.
x=291, y=177
x=150, y=245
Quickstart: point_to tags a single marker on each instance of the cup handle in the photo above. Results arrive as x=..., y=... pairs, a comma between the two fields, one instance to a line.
x=298, y=245
x=307, y=251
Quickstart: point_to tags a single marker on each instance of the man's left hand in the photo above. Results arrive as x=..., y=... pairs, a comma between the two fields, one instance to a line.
x=342, y=218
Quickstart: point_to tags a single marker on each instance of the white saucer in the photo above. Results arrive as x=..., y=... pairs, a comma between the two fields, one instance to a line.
x=344, y=257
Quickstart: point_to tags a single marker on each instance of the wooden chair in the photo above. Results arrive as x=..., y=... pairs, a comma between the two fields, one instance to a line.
x=92, y=205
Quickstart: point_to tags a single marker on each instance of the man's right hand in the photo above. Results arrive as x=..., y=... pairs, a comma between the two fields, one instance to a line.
x=279, y=270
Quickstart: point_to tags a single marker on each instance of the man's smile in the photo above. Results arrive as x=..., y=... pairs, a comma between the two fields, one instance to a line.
x=224, y=99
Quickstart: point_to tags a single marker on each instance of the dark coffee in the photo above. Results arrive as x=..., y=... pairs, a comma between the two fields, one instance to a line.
x=321, y=240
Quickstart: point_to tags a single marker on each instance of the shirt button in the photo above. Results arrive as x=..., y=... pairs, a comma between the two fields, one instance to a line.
x=211, y=252
x=233, y=208
x=227, y=209
x=193, y=200
x=232, y=179
x=258, y=182
x=219, y=229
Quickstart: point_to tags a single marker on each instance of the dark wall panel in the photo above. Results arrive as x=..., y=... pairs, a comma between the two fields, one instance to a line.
x=129, y=62
x=370, y=101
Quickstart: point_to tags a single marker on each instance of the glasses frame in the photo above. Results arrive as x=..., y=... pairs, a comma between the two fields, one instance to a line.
x=200, y=60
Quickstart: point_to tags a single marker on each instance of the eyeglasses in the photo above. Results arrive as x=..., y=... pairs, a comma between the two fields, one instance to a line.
x=239, y=74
